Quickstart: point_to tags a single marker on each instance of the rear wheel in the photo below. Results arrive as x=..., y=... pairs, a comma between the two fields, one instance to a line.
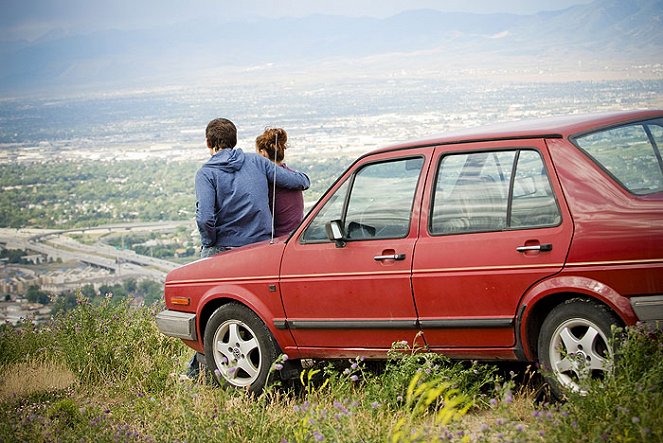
x=575, y=345
x=239, y=349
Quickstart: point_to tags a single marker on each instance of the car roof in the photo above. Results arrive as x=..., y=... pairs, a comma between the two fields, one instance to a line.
x=553, y=127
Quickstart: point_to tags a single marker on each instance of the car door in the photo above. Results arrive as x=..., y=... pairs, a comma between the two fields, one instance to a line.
x=358, y=294
x=496, y=224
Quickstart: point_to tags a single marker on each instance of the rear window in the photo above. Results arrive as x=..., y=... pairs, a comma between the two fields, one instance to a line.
x=631, y=154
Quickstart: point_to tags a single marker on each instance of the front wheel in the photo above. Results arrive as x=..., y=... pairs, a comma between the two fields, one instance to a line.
x=575, y=345
x=239, y=349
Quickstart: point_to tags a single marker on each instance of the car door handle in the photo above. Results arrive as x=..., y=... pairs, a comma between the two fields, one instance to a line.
x=545, y=247
x=389, y=257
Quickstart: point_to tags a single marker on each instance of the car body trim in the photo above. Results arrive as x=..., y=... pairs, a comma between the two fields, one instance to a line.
x=617, y=262
x=343, y=274
x=491, y=268
x=464, y=323
x=350, y=324
x=222, y=280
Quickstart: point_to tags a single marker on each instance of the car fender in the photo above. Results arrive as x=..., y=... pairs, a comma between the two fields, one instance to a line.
x=225, y=293
x=552, y=291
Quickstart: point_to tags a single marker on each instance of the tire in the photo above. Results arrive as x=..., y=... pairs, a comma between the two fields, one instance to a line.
x=575, y=345
x=239, y=349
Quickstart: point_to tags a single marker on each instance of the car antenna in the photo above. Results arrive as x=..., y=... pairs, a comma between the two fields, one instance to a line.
x=276, y=146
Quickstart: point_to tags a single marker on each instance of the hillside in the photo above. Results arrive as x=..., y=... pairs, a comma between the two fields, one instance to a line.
x=103, y=373
x=613, y=32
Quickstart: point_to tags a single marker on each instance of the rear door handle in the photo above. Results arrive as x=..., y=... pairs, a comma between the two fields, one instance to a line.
x=389, y=257
x=545, y=247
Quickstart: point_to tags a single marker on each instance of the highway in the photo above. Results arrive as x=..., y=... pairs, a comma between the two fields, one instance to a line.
x=56, y=244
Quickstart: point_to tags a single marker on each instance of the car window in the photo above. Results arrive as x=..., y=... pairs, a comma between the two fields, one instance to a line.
x=332, y=210
x=533, y=203
x=379, y=204
x=631, y=154
x=473, y=191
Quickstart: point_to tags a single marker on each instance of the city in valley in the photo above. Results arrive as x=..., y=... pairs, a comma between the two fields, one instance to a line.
x=97, y=190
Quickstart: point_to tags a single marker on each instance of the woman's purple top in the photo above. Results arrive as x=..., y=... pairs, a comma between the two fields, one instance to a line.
x=289, y=208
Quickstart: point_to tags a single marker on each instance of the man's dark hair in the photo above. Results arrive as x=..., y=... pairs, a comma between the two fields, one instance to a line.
x=221, y=133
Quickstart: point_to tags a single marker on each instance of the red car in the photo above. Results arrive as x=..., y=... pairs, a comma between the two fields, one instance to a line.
x=526, y=241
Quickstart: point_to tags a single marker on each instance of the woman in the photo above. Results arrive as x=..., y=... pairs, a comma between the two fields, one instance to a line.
x=288, y=207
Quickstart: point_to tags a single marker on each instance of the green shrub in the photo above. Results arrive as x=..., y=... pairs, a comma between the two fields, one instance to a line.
x=126, y=392
x=114, y=343
x=22, y=342
x=625, y=407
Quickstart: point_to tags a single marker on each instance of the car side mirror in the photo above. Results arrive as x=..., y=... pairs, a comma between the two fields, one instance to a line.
x=334, y=230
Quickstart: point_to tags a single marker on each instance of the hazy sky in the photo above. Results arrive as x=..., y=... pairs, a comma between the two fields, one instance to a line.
x=31, y=18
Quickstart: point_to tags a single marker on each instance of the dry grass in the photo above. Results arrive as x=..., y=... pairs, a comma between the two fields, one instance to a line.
x=21, y=379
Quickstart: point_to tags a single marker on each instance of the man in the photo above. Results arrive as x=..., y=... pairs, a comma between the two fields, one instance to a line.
x=232, y=192
x=232, y=198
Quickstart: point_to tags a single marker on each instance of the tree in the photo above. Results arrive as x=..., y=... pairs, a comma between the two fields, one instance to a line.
x=65, y=301
x=35, y=295
x=130, y=285
x=88, y=291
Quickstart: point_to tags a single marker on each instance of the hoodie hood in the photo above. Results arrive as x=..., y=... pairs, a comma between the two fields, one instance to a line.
x=228, y=160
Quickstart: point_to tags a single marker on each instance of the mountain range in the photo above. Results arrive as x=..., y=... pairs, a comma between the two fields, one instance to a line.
x=603, y=32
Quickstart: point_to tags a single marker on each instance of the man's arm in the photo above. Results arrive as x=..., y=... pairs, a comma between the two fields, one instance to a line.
x=205, y=202
x=286, y=178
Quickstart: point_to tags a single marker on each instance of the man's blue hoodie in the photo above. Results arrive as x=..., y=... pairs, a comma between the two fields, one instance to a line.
x=232, y=207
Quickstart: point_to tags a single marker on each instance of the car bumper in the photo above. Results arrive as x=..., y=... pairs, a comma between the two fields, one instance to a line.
x=649, y=310
x=177, y=324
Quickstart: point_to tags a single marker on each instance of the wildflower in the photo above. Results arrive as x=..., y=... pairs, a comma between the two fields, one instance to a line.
x=354, y=378
x=520, y=428
x=399, y=398
x=499, y=422
x=508, y=397
x=338, y=405
x=295, y=408
x=635, y=420
x=493, y=402
x=318, y=436
x=353, y=366
x=278, y=366
x=375, y=404
x=347, y=371
x=284, y=358
x=485, y=427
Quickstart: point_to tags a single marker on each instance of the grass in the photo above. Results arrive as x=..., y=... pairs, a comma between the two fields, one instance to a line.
x=104, y=373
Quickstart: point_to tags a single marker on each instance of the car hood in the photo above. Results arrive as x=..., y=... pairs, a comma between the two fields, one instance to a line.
x=257, y=261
